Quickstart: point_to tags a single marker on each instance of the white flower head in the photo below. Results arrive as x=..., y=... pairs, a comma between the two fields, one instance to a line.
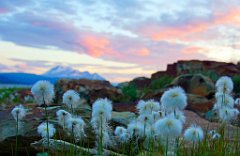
x=193, y=134
x=150, y=132
x=147, y=106
x=124, y=137
x=42, y=130
x=63, y=116
x=156, y=116
x=135, y=128
x=102, y=108
x=227, y=114
x=224, y=100
x=71, y=99
x=237, y=101
x=168, y=127
x=18, y=112
x=146, y=119
x=119, y=131
x=76, y=125
x=43, y=92
x=174, y=99
x=179, y=115
x=224, y=84
x=214, y=135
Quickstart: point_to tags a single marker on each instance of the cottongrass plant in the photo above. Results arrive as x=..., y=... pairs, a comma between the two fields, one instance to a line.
x=71, y=99
x=43, y=92
x=18, y=114
x=101, y=114
x=224, y=101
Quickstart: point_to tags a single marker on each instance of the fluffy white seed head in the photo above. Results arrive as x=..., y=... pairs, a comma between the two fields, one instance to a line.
x=224, y=100
x=124, y=137
x=146, y=119
x=43, y=91
x=179, y=115
x=135, y=128
x=224, y=84
x=227, y=114
x=119, y=131
x=156, y=116
x=174, y=99
x=63, y=116
x=147, y=106
x=18, y=112
x=214, y=135
x=102, y=108
x=168, y=127
x=76, y=125
x=237, y=101
x=42, y=130
x=71, y=99
x=193, y=134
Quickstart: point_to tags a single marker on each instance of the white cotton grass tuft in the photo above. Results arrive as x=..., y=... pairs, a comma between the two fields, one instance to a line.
x=71, y=99
x=135, y=129
x=119, y=131
x=76, y=125
x=63, y=116
x=148, y=106
x=18, y=112
x=179, y=115
x=193, y=134
x=42, y=130
x=224, y=84
x=224, y=100
x=168, y=127
x=237, y=101
x=174, y=99
x=156, y=115
x=146, y=119
x=102, y=108
x=43, y=92
x=214, y=135
x=124, y=137
x=227, y=114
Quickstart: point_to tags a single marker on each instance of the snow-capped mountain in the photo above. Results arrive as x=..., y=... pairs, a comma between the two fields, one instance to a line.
x=68, y=72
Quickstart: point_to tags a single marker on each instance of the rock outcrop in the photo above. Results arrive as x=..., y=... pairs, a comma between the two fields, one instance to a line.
x=197, y=84
x=89, y=90
x=185, y=67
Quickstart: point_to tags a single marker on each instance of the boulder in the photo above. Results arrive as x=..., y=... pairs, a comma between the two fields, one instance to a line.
x=199, y=104
x=194, y=84
x=89, y=90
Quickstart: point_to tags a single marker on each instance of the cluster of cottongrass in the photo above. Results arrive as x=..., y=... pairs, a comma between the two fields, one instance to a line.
x=158, y=126
x=224, y=100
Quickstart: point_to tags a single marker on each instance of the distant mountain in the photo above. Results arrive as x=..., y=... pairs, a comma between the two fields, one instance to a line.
x=68, y=72
x=52, y=75
x=23, y=78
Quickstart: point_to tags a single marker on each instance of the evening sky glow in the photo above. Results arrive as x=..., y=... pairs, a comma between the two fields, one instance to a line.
x=118, y=39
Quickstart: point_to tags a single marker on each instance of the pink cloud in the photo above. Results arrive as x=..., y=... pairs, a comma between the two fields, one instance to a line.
x=195, y=29
x=4, y=10
x=95, y=46
x=192, y=50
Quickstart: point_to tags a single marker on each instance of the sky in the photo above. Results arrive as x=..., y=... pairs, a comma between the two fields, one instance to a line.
x=118, y=39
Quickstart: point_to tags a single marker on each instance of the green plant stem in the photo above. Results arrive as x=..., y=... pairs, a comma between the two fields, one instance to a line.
x=16, y=148
x=46, y=115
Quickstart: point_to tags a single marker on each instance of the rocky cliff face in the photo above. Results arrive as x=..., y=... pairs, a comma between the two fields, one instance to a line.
x=184, y=67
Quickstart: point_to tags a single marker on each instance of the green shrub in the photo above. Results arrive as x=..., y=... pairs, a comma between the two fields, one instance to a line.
x=160, y=82
x=130, y=91
x=236, y=81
